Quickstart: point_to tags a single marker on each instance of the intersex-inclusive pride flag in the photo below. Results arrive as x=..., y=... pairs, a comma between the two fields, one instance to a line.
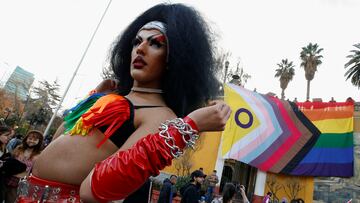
x=305, y=139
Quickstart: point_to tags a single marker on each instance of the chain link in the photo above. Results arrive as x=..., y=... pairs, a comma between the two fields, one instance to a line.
x=189, y=135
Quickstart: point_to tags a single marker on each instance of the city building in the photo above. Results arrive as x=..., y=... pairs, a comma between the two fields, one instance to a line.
x=19, y=83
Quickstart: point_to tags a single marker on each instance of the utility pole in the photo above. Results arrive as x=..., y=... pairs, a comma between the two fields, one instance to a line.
x=76, y=70
x=226, y=70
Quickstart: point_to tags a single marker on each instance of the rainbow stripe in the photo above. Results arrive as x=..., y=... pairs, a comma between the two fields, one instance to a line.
x=308, y=139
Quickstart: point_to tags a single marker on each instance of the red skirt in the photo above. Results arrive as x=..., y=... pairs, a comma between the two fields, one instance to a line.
x=33, y=189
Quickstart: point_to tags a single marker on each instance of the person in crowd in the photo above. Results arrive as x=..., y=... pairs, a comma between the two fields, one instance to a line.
x=168, y=190
x=299, y=200
x=47, y=140
x=243, y=194
x=267, y=198
x=229, y=194
x=5, y=136
x=165, y=67
x=26, y=153
x=284, y=200
x=211, y=180
x=14, y=142
x=190, y=192
x=203, y=188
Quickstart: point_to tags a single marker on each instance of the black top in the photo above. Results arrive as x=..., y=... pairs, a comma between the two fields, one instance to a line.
x=190, y=193
x=127, y=128
x=119, y=138
x=165, y=192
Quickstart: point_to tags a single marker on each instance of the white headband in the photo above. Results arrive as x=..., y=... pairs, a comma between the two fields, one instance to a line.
x=155, y=25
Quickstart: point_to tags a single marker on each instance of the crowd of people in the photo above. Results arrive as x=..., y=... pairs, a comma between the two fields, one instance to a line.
x=192, y=192
x=17, y=155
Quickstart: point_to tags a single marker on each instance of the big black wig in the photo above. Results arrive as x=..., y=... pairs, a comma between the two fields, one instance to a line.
x=189, y=80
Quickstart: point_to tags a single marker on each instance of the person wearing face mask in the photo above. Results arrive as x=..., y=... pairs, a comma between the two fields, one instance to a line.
x=26, y=153
x=115, y=141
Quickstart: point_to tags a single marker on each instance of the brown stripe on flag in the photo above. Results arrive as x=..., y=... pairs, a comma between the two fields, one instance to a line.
x=299, y=144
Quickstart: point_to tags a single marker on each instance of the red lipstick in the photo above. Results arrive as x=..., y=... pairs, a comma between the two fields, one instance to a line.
x=139, y=62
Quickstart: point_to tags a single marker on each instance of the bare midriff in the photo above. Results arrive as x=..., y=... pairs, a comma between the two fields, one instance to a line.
x=70, y=158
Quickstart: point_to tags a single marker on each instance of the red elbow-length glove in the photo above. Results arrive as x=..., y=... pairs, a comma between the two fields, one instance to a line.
x=125, y=171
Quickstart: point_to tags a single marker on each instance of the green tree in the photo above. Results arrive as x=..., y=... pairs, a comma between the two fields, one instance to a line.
x=353, y=66
x=40, y=108
x=48, y=93
x=310, y=60
x=285, y=73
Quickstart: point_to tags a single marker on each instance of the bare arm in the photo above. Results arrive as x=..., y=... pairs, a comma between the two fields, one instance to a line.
x=243, y=194
x=146, y=126
x=125, y=171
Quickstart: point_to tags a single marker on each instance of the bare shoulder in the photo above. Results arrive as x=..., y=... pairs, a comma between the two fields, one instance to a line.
x=156, y=116
x=150, y=120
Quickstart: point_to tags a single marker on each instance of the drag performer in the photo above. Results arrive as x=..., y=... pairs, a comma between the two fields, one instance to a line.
x=113, y=143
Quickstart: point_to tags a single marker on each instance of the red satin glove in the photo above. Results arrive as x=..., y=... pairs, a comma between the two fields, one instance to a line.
x=125, y=171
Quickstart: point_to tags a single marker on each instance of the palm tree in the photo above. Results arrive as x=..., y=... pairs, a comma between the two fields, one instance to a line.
x=286, y=73
x=310, y=57
x=354, y=66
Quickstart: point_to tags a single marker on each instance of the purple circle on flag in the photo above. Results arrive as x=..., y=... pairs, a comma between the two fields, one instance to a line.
x=244, y=125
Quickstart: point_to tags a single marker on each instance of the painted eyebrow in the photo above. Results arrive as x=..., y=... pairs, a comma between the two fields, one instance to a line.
x=149, y=38
x=160, y=38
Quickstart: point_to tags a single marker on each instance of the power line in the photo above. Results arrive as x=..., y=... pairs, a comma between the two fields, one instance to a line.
x=76, y=70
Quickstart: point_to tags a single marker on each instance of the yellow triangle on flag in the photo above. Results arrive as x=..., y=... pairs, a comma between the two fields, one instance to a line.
x=233, y=131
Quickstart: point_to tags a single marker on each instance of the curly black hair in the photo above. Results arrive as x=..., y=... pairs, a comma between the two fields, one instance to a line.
x=189, y=80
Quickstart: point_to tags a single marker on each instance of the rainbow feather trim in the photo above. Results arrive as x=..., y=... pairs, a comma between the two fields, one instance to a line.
x=74, y=114
x=111, y=110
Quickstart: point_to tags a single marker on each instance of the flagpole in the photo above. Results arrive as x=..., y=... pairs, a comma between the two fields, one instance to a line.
x=76, y=70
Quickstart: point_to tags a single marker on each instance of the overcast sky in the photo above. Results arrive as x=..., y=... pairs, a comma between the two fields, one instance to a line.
x=48, y=39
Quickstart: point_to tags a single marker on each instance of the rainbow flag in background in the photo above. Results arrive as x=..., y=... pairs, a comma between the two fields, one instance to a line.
x=307, y=139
